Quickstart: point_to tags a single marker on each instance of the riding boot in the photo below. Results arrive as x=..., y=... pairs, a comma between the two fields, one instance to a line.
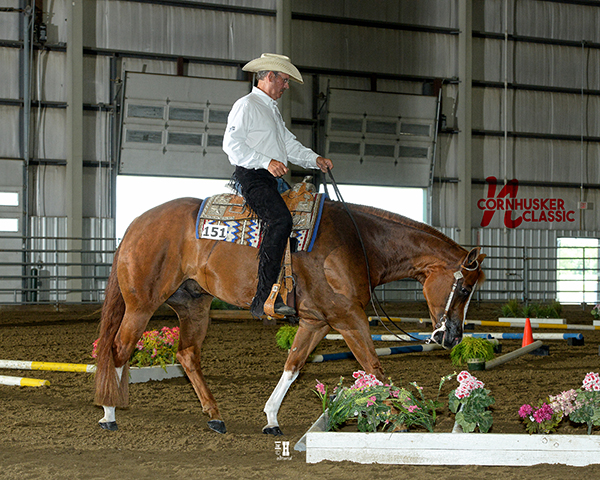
x=259, y=189
x=269, y=267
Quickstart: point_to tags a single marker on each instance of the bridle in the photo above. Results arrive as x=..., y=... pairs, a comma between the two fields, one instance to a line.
x=440, y=326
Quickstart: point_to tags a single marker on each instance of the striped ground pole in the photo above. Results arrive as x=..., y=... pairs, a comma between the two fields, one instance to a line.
x=49, y=366
x=22, y=382
x=381, y=352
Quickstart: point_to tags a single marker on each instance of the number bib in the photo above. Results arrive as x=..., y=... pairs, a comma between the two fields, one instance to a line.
x=214, y=232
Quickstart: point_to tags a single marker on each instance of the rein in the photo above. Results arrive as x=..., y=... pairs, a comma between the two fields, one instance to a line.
x=373, y=296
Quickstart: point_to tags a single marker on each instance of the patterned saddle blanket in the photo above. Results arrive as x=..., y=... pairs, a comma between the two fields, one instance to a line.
x=227, y=217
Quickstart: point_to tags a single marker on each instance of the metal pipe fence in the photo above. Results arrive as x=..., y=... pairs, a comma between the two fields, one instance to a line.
x=52, y=270
x=528, y=274
x=47, y=270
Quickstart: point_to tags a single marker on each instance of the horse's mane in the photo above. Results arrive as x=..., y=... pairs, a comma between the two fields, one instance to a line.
x=407, y=222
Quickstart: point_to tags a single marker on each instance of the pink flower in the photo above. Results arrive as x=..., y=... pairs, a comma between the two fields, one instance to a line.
x=320, y=388
x=412, y=408
x=467, y=384
x=525, y=411
x=543, y=413
x=371, y=401
x=95, y=348
x=364, y=380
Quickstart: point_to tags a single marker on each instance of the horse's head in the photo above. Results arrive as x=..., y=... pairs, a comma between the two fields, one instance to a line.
x=448, y=291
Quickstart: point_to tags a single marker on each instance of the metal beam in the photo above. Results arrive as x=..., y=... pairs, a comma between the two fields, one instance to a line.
x=74, y=138
x=464, y=117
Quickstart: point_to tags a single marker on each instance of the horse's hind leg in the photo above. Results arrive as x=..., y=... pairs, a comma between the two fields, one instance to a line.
x=192, y=305
x=131, y=329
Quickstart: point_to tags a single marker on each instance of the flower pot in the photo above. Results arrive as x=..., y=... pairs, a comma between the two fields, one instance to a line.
x=157, y=373
x=476, y=364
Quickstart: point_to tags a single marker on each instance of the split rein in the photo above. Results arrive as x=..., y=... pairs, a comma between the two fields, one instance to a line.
x=373, y=296
x=441, y=324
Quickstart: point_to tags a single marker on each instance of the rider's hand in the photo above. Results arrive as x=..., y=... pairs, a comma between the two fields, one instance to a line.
x=325, y=164
x=277, y=168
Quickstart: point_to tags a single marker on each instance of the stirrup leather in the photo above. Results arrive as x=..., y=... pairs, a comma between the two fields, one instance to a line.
x=283, y=287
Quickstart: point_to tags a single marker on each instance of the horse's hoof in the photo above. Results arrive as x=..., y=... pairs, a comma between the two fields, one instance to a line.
x=276, y=431
x=217, y=426
x=111, y=426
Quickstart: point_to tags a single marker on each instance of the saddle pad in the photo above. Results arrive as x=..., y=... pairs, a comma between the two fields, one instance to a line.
x=227, y=217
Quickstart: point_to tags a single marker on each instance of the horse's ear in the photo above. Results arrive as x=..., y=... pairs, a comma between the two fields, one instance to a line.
x=473, y=259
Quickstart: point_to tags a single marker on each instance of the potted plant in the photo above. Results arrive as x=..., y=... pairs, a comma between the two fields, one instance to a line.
x=579, y=406
x=470, y=402
x=512, y=310
x=377, y=407
x=154, y=356
x=285, y=336
x=472, y=351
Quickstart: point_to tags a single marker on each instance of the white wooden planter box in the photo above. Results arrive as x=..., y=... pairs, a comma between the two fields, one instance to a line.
x=449, y=448
x=145, y=374
x=521, y=321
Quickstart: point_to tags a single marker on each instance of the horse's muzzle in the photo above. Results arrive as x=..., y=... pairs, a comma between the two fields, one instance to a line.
x=446, y=335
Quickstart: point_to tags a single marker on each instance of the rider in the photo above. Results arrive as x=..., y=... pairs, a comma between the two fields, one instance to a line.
x=259, y=145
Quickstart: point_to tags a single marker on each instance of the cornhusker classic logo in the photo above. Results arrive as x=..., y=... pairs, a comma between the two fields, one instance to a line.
x=533, y=209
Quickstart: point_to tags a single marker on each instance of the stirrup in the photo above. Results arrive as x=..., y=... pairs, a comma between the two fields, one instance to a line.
x=283, y=287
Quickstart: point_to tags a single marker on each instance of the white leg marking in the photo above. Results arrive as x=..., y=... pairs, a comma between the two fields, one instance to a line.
x=274, y=402
x=109, y=412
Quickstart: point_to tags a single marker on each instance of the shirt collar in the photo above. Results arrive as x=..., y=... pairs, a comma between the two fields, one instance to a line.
x=264, y=97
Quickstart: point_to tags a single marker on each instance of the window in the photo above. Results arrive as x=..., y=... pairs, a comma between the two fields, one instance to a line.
x=9, y=224
x=9, y=199
x=577, y=270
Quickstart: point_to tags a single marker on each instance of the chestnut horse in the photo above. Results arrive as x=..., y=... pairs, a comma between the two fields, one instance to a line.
x=160, y=260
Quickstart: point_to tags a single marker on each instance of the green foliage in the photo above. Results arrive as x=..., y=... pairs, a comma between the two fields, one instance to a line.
x=471, y=412
x=589, y=409
x=419, y=411
x=378, y=407
x=221, y=305
x=471, y=347
x=513, y=309
x=285, y=336
x=528, y=311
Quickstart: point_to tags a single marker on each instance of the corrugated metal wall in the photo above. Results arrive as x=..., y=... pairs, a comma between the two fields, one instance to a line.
x=536, y=72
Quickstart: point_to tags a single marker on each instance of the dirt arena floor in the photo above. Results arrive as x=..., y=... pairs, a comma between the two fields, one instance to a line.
x=52, y=433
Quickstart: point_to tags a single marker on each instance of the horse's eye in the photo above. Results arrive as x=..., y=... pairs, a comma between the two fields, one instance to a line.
x=465, y=291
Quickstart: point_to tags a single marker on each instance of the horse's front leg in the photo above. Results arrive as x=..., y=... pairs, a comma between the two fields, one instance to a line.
x=306, y=339
x=356, y=333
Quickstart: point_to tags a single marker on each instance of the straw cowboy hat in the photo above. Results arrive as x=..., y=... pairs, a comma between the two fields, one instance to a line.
x=275, y=63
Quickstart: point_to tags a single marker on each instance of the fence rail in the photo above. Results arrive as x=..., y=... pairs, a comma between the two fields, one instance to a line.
x=75, y=270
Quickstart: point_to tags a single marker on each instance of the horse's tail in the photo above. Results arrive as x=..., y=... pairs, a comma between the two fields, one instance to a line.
x=110, y=390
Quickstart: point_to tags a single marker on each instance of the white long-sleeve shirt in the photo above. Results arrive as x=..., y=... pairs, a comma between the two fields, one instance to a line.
x=256, y=134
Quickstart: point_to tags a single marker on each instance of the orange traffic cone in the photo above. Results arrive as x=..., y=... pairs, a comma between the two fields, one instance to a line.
x=527, y=335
